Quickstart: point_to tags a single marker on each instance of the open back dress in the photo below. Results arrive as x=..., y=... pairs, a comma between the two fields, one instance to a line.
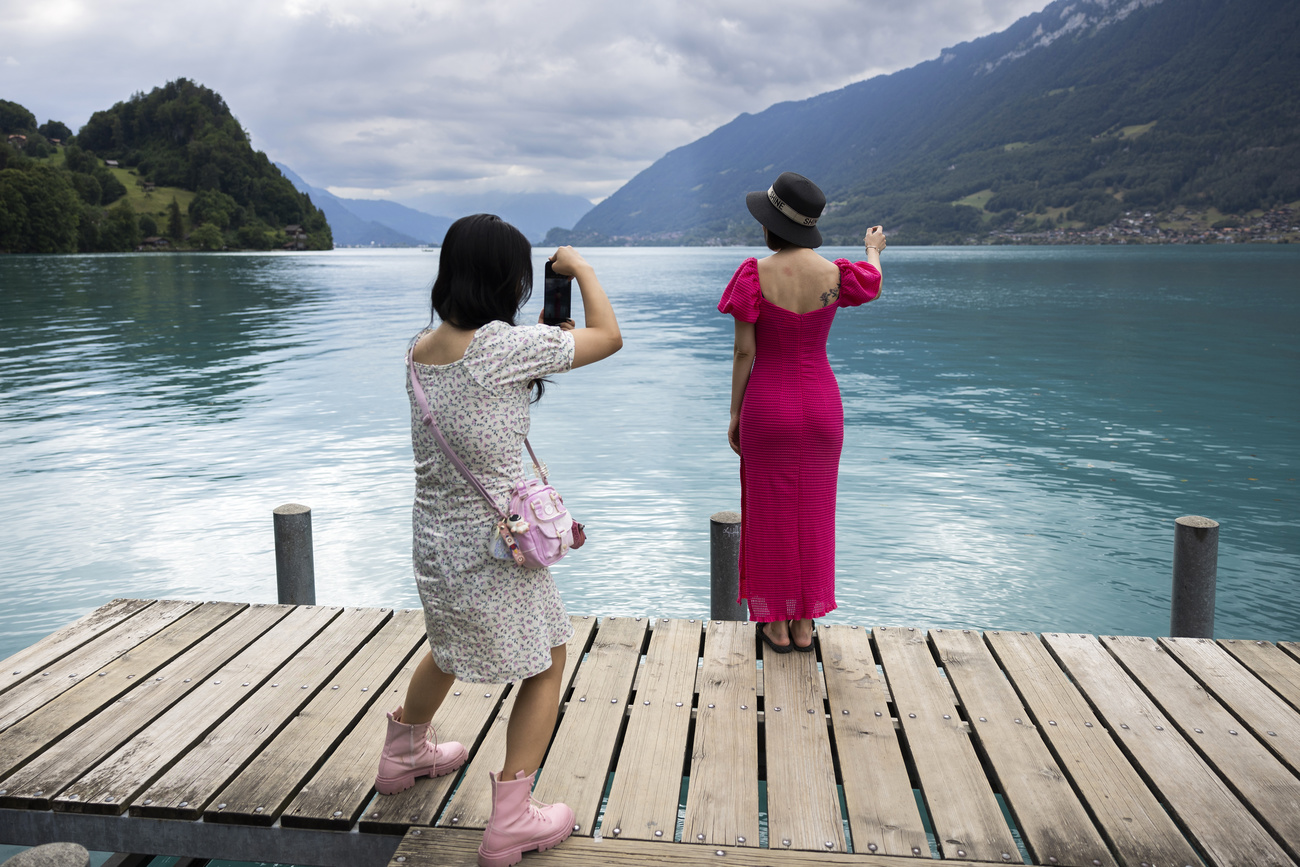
x=791, y=433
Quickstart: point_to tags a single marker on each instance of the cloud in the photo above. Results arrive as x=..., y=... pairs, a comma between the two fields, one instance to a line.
x=458, y=96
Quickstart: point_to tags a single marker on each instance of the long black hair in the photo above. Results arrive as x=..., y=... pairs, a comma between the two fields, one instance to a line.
x=485, y=274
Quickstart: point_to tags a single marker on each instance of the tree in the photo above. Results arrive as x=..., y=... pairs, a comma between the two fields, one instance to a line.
x=211, y=206
x=15, y=119
x=175, y=225
x=48, y=207
x=53, y=129
x=207, y=237
x=120, y=233
x=148, y=225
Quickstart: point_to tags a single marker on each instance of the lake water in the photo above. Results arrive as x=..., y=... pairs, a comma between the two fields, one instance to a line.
x=1023, y=425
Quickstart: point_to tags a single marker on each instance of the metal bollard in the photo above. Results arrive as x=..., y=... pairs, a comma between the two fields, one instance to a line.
x=295, y=568
x=724, y=568
x=1196, y=566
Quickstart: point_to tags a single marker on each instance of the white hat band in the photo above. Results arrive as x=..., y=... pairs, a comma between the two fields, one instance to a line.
x=790, y=212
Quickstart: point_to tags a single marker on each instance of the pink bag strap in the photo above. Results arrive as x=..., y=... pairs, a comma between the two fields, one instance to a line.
x=423, y=401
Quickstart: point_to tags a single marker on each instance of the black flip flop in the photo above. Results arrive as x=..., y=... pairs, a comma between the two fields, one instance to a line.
x=776, y=648
x=801, y=648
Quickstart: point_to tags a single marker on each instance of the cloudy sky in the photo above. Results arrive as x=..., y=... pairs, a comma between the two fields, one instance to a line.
x=402, y=99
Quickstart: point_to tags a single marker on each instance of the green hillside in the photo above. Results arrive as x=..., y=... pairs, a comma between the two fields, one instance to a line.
x=168, y=169
x=1170, y=120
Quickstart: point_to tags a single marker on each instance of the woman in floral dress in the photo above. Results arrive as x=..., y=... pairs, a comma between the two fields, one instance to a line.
x=488, y=620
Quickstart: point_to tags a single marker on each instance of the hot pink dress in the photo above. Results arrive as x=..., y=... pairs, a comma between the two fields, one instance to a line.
x=791, y=432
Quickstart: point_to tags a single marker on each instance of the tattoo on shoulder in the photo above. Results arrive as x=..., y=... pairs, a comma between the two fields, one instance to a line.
x=832, y=295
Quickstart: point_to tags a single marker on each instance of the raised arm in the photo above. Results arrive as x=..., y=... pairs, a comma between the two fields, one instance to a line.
x=742, y=364
x=875, y=241
x=600, y=337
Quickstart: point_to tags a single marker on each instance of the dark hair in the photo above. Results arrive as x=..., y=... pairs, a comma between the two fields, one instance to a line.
x=485, y=274
x=775, y=242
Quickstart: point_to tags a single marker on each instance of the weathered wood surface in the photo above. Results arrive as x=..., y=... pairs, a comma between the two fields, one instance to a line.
x=41, y=655
x=1205, y=807
x=582, y=753
x=648, y=780
x=882, y=812
x=1112, y=751
x=1267, y=786
x=1053, y=823
x=1271, y=664
x=803, y=805
x=967, y=819
x=722, y=793
x=276, y=775
x=440, y=847
x=1127, y=813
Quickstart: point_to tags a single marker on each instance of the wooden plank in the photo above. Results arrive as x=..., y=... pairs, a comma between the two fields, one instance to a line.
x=472, y=805
x=1268, y=787
x=581, y=755
x=722, y=794
x=141, y=759
x=441, y=847
x=1274, y=721
x=803, y=803
x=123, y=696
x=1053, y=824
x=336, y=796
x=1208, y=812
x=262, y=790
x=206, y=768
x=968, y=822
x=84, y=662
x=877, y=792
x=1271, y=664
x=1129, y=815
x=648, y=779
x=44, y=653
x=1291, y=648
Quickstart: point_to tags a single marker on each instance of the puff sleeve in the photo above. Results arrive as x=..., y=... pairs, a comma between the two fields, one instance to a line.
x=859, y=283
x=509, y=356
x=741, y=296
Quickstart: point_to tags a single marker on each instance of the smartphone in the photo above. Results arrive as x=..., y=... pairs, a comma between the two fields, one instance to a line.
x=558, y=294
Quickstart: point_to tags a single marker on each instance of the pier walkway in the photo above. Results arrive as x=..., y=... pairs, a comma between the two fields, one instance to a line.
x=252, y=732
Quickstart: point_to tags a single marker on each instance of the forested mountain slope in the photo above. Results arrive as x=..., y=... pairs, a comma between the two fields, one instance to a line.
x=55, y=190
x=1067, y=119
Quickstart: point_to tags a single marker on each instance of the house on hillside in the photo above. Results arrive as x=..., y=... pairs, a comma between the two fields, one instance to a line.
x=297, y=237
x=155, y=242
x=18, y=141
x=112, y=164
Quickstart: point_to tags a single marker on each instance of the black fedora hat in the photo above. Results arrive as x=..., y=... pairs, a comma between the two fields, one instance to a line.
x=789, y=209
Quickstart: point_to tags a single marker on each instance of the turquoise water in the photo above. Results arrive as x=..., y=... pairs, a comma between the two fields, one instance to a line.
x=1022, y=427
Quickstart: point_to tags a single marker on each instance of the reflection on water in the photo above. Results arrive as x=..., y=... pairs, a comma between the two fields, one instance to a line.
x=1022, y=427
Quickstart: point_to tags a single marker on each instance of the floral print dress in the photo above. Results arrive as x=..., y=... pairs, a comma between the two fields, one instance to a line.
x=488, y=620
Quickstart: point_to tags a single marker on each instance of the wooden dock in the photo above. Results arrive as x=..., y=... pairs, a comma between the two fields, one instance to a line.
x=252, y=732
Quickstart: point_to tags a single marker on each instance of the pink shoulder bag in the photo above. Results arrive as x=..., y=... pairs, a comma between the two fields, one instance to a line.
x=538, y=530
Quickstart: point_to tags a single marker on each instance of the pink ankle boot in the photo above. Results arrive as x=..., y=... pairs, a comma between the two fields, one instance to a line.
x=412, y=751
x=520, y=824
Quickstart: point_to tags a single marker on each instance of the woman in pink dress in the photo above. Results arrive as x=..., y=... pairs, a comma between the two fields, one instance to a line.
x=787, y=422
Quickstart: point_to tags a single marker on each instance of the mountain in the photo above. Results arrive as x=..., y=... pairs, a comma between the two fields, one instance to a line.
x=362, y=222
x=534, y=214
x=1067, y=119
x=184, y=135
x=145, y=157
x=353, y=230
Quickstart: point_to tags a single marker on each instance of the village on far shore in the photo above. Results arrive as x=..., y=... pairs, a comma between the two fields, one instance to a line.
x=1181, y=226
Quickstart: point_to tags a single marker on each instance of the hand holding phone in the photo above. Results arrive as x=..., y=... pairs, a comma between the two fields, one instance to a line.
x=557, y=297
